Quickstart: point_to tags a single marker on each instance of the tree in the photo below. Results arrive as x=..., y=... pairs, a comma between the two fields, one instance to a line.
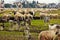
x=7, y=5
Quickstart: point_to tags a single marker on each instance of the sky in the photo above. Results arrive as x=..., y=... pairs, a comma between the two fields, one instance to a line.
x=40, y=1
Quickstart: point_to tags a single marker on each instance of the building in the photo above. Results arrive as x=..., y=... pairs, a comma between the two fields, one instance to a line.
x=51, y=5
x=7, y=5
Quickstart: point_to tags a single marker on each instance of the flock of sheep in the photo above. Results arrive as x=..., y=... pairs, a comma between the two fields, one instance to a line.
x=26, y=16
x=18, y=17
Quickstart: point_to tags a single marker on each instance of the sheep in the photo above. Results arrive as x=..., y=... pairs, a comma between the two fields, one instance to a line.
x=32, y=12
x=5, y=17
x=49, y=34
x=27, y=18
x=18, y=17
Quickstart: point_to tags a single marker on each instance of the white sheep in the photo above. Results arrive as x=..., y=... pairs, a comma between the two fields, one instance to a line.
x=49, y=34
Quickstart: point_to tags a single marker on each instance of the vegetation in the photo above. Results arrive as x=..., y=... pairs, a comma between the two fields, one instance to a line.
x=35, y=28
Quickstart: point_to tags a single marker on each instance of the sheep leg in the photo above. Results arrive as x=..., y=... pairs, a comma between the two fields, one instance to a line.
x=18, y=22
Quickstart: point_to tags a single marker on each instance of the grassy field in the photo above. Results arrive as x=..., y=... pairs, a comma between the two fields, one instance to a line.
x=36, y=25
x=35, y=28
x=13, y=35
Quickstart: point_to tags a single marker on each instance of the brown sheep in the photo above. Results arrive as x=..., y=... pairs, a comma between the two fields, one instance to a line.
x=48, y=35
x=5, y=17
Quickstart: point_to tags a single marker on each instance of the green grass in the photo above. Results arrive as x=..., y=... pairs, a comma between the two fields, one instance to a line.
x=35, y=24
x=54, y=12
x=41, y=22
x=37, y=14
x=40, y=25
x=5, y=35
x=55, y=21
x=14, y=33
x=10, y=33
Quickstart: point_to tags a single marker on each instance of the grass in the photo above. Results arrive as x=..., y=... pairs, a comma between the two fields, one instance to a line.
x=36, y=25
x=37, y=22
x=40, y=25
x=54, y=12
x=37, y=14
x=15, y=35
x=41, y=22
x=10, y=33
